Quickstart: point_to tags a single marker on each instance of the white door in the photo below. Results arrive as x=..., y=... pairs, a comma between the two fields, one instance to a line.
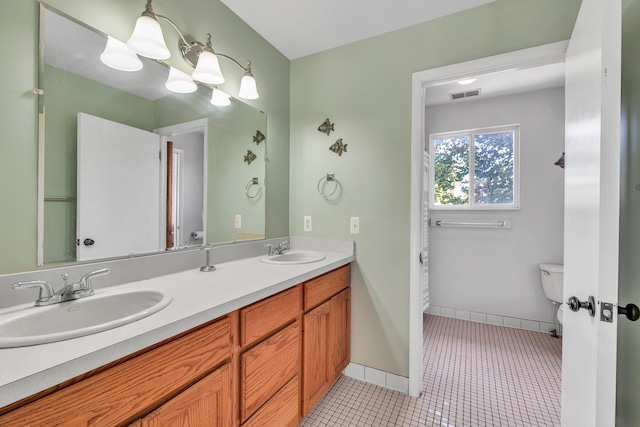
x=592, y=180
x=118, y=210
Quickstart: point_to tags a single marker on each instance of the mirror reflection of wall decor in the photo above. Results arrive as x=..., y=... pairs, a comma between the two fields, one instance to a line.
x=259, y=137
x=250, y=157
x=326, y=127
x=74, y=80
x=338, y=147
x=253, y=190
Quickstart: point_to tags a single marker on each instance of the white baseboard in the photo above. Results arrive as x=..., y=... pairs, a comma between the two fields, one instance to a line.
x=377, y=377
x=492, y=319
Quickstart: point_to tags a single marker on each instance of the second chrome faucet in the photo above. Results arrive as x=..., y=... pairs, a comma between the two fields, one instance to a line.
x=276, y=250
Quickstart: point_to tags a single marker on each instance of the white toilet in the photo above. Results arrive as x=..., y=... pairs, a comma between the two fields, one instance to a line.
x=551, y=277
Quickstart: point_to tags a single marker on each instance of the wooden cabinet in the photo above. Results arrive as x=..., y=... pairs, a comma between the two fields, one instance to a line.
x=267, y=367
x=315, y=366
x=266, y=364
x=133, y=388
x=205, y=404
x=339, y=334
x=326, y=334
x=282, y=410
x=270, y=360
x=266, y=316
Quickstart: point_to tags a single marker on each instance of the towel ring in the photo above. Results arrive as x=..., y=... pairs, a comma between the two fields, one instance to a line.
x=253, y=182
x=328, y=178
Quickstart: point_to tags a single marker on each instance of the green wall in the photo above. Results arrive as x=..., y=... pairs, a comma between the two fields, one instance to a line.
x=18, y=109
x=365, y=89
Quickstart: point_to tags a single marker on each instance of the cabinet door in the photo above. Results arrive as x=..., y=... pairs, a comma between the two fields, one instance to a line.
x=339, y=335
x=267, y=367
x=205, y=404
x=316, y=375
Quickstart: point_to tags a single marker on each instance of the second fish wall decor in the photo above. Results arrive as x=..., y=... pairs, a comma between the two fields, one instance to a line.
x=250, y=157
x=259, y=137
x=339, y=147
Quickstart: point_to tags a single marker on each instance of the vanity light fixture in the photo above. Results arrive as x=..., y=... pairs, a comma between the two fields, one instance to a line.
x=220, y=98
x=180, y=82
x=147, y=40
x=117, y=55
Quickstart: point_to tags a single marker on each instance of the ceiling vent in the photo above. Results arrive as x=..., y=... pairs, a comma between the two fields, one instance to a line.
x=466, y=94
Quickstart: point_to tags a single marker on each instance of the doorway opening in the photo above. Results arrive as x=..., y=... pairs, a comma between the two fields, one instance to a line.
x=438, y=78
x=184, y=174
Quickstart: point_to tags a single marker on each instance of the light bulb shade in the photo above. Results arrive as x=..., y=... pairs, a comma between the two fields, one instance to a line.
x=248, y=89
x=180, y=82
x=220, y=98
x=147, y=39
x=208, y=69
x=118, y=56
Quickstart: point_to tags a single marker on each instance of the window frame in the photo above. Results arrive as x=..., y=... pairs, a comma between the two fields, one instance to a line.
x=515, y=128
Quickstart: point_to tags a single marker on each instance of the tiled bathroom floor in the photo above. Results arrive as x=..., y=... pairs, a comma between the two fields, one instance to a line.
x=475, y=375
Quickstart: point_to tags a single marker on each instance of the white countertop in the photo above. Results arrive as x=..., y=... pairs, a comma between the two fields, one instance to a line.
x=197, y=298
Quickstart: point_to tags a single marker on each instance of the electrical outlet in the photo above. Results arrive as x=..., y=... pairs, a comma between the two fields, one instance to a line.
x=307, y=223
x=355, y=225
x=238, y=221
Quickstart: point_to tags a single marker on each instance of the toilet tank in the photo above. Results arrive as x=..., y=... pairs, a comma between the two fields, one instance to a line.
x=551, y=277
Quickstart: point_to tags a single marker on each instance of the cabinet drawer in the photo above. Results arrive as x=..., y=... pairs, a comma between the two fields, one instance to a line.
x=267, y=367
x=324, y=287
x=131, y=389
x=207, y=403
x=264, y=317
x=281, y=410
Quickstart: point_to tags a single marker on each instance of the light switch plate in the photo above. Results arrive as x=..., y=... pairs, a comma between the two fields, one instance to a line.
x=307, y=223
x=354, y=226
x=238, y=221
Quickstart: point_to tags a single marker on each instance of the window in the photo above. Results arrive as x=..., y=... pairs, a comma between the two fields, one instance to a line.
x=475, y=169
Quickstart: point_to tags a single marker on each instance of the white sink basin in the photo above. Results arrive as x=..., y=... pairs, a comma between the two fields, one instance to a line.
x=29, y=325
x=293, y=257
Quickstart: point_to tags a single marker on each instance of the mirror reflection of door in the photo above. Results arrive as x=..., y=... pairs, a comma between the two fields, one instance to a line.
x=184, y=188
x=169, y=199
x=175, y=201
x=176, y=189
x=118, y=189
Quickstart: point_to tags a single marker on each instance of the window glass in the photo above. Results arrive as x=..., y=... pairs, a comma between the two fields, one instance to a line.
x=475, y=169
x=494, y=167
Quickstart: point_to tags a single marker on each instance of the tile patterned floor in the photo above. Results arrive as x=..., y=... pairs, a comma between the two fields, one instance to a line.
x=475, y=375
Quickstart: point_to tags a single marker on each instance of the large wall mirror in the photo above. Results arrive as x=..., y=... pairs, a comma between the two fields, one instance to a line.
x=128, y=167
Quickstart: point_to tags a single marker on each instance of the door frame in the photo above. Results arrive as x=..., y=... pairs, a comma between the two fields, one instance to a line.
x=166, y=133
x=526, y=58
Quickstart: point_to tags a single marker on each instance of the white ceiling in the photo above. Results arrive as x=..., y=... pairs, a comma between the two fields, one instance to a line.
x=299, y=28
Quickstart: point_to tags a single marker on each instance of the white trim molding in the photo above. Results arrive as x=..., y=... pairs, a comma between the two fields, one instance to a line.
x=526, y=58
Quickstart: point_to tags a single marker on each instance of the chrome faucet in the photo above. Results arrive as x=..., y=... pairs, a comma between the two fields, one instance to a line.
x=47, y=296
x=276, y=250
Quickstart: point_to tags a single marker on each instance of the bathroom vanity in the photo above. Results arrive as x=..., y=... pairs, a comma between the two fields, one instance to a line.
x=250, y=344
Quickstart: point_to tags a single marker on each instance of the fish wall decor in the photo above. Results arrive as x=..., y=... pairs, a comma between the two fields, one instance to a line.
x=326, y=127
x=338, y=147
x=250, y=157
x=258, y=138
